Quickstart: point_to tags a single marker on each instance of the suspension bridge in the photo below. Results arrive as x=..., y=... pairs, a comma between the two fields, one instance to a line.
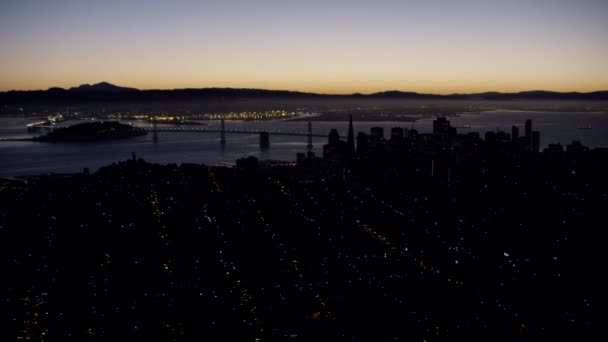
x=222, y=131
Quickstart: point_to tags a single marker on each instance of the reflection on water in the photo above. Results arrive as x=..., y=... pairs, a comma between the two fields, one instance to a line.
x=27, y=158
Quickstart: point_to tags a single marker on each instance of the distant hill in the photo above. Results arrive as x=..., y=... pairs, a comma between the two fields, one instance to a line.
x=104, y=87
x=109, y=93
x=403, y=95
x=547, y=95
x=525, y=95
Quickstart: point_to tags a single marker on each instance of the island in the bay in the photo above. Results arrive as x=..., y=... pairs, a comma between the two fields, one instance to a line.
x=93, y=131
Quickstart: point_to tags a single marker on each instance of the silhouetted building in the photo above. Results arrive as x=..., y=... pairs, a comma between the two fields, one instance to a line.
x=503, y=137
x=336, y=151
x=535, y=145
x=528, y=131
x=333, y=137
x=351, y=136
x=554, y=148
x=576, y=147
x=528, y=135
x=442, y=129
x=248, y=164
x=377, y=132
x=441, y=126
x=490, y=138
x=397, y=133
x=514, y=134
x=362, y=145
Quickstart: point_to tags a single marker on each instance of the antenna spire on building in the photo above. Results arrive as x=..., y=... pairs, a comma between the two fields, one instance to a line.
x=351, y=135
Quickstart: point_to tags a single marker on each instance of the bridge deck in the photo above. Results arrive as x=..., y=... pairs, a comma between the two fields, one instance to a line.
x=229, y=131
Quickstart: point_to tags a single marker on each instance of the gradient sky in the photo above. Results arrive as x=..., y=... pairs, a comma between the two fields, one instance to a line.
x=332, y=46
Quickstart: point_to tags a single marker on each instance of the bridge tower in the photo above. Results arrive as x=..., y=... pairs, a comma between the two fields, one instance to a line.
x=264, y=140
x=309, y=146
x=223, y=133
x=154, y=131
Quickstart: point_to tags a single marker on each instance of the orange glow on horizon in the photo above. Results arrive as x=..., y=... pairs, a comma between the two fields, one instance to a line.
x=332, y=89
x=337, y=47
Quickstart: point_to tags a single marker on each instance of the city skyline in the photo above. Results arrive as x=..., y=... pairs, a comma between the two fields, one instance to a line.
x=332, y=47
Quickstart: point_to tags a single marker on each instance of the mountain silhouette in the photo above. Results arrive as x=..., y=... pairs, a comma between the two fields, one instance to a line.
x=102, y=87
x=109, y=93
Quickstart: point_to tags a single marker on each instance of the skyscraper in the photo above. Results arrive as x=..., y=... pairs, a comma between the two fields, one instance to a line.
x=528, y=132
x=535, y=142
x=333, y=137
x=351, y=136
x=441, y=125
x=514, y=133
x=336, y=151
x=442, y=129
x=377, y=132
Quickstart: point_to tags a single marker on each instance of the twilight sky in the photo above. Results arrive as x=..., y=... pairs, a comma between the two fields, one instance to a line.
x=332, y=46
